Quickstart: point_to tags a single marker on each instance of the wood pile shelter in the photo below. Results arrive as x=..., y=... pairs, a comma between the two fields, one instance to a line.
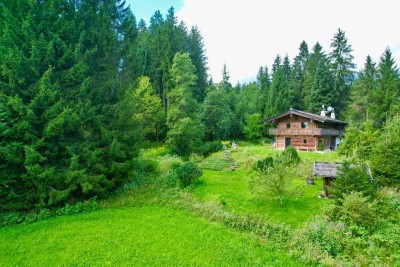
x=306, y=131
x=328, y=172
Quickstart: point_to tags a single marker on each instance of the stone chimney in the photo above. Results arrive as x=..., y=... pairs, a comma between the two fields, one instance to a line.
x=323, y=113
x=333, y=116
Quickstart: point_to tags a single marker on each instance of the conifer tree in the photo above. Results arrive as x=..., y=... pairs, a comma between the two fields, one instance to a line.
x=385, y=97
x=342, y=67
x=361, y=93
x=225, y=83
x=321, y=92
x=199, y=59
x=298, y=76
x=310, y=71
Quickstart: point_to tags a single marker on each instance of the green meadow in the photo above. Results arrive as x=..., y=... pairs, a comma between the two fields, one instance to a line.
x=138, y=236
x=135, y=228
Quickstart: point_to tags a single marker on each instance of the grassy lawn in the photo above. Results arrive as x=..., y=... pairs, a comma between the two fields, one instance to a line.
x=232, y=187
x=139, y=236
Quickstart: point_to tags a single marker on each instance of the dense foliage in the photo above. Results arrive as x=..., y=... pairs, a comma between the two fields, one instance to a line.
x=83, y=84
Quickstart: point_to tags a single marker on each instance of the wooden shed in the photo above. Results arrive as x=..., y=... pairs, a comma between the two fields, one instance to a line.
x=328, y=171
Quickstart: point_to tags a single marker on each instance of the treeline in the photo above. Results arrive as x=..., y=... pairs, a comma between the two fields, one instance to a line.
x=72, y=112
x=83, y=85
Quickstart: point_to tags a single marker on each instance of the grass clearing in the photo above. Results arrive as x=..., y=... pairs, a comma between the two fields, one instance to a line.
x=139, y=236
x=232, y=189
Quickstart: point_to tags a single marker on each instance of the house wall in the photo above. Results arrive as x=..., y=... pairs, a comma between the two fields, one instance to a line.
x=304, y=140
x=295, y=123
x=298, y=142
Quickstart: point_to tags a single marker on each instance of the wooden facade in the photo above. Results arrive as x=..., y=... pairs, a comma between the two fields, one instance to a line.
x=304, y=130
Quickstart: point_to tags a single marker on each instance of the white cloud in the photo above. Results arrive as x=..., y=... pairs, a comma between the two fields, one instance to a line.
x=248, y=34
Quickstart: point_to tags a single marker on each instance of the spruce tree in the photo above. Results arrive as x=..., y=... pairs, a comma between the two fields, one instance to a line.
x=343, y=68
x=199, y=59
x=361, y=93
x=321, y=92
x=310, y=71
x=298, y=76
x=385, y=97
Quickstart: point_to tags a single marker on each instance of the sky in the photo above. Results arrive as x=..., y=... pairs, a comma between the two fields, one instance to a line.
x=248, y=34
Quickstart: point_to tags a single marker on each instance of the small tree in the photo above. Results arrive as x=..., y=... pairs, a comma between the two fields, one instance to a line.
x=276, y=180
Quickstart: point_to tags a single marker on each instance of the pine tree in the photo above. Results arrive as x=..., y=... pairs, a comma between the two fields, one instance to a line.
x=225, y=83
x=361, y=93
x=298, y=76
x=321, y=92
x=385, y=96
x=62, y=103
x=310, y=71
x=263, y=83
x=280, y=98
x=342, y=67
x=199, y=59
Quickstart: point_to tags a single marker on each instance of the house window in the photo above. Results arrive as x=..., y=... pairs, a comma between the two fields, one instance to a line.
x=304, y=124
x=304, y=141
x=288, y=125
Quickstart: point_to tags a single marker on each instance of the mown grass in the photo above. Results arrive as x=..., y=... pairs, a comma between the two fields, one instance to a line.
x=232, y=188
x=138, y=236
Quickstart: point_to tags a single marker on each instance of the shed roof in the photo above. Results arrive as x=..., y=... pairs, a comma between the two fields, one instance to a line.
x=305, y=114
x=330, y=169
x=326, y=169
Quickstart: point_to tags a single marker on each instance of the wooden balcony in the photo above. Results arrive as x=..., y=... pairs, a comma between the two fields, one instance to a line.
x=312, y=132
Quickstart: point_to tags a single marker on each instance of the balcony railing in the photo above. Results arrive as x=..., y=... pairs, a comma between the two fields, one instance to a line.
x=317, y=132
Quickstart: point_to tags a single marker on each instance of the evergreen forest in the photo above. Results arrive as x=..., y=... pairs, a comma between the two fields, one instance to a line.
x=86, y=87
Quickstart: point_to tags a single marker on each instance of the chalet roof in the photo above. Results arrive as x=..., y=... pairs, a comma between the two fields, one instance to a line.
x=326, y=169
x=305, y=114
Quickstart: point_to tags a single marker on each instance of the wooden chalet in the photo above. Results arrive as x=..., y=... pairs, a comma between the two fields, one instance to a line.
x=304, y=130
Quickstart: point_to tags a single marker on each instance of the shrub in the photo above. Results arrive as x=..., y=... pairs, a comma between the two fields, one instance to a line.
x=291, y=155
x=356, y=209
x=352, y=178
x=188, y=173
x=263, y=164
x=11, y=218
x=155, y=152
x=320, y=147
x=209, y=147
x=169, y=162
x=148, y=166
x=196, y=158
